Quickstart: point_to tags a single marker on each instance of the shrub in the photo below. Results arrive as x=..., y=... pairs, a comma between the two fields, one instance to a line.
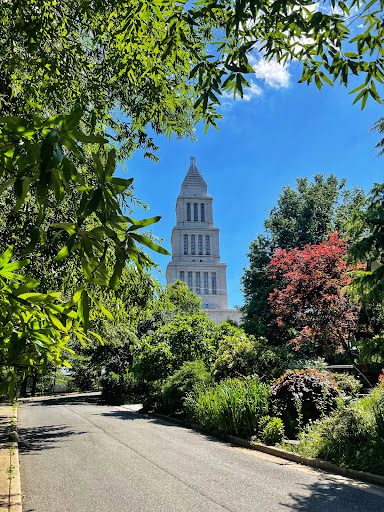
x=375, y=399
x=153, y=396
x=182, y=382
x=349, y=437
x=312, y=364
x=119, y=389
x=303, y=395
x=239, y=355
x=347, y=384
x=380, y=381
x=374, y=403
x=271, y=430
x=232, y=406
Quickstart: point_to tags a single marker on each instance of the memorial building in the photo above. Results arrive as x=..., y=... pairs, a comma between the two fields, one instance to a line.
x=196, y=248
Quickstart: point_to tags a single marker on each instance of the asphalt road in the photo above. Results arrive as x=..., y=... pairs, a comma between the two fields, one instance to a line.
x=78, y=455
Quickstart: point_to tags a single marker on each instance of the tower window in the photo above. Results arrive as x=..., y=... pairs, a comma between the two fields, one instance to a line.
x=195, y=212
x=200, y=244
x=207, y=245
x=190, y=280
x=181, y=275
x=188, y=211
x=193, y=244
x=213, y=276
x=202, y=212
x=206, y=283
x=198, y=282
x=185, y=244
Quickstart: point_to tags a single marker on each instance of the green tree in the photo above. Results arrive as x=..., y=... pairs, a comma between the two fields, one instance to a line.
x=129, y=67
x=366, y=233
x=183, y=339
x=149, y=59
x=107, y=57
x=302, y=216
x=174, y=299
x=185, y=301
x=40, y=163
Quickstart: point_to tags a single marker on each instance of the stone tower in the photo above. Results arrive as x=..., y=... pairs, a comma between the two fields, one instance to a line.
x=195, y=245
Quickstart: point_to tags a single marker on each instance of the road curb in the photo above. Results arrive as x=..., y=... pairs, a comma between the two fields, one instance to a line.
x=278, y=452
x=9, y=462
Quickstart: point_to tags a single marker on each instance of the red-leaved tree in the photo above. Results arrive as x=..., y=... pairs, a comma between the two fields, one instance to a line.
x=314, y=300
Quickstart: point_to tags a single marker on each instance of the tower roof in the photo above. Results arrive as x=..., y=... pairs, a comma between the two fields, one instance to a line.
x=193, y=184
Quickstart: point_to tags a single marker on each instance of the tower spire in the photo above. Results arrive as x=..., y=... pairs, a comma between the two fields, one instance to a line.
x=193, y=184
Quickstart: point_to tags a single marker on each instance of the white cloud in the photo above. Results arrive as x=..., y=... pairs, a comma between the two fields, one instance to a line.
x=226, y=106
x=274, y=74
x=252, y=91
x=248, y=93
x=271, y=72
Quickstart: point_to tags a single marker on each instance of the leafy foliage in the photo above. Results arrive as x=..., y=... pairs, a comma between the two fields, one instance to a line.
x=175, y=299
x=303, y=395
x=119, y=389
x=349, y=437
x=177, y=386
x=314, y=299
x=232, y=406
x=34, y=327
x=183, y=300
x=271, y=430
x=240, y=356
x=347, y=384
x=103, y=56
x=183, y=339
x=38, y=162
x=366, y=233
x=302, y=216
x=149, y=58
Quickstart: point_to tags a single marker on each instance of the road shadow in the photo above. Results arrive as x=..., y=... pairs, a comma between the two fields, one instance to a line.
x=122, y=415
x=91, y=399
x=213, y=437
x=43, y=438
x=330, y=496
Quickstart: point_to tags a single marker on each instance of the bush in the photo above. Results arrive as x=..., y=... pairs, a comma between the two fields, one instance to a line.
x=232, y=406
x=239, y=355
x=347, y=384
x=119, y=389
x=303, y=395
x=380, y=381
x=182, y=382
x=169, y=397
x=271, y=430
x=350, y=437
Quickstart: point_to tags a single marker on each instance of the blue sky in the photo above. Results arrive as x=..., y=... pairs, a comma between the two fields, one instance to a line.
x=283, y=130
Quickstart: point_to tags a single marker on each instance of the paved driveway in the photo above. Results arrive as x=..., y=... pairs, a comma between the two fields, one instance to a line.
x=78, y=455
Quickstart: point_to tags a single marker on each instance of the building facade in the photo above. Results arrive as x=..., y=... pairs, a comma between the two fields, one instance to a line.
x=196, y=248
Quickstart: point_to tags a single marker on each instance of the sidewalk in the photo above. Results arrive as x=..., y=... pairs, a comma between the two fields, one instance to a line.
x=10, y=493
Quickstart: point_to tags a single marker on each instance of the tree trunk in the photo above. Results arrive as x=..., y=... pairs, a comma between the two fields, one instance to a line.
x=23, y=387
x=34, y=383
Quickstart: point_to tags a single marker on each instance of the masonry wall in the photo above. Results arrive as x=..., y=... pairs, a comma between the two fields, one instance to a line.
x=221, y=315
